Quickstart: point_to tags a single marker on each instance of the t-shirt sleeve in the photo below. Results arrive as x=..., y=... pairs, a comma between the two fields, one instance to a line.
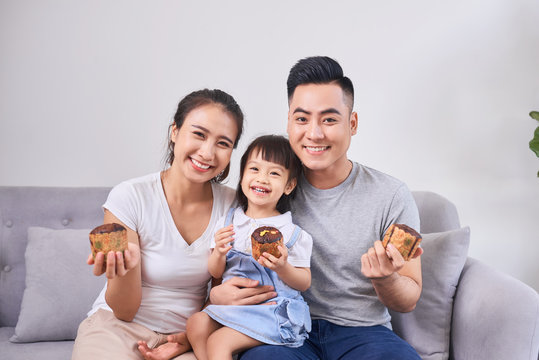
x=123, y=203
x=403, y=210
x=299, y=255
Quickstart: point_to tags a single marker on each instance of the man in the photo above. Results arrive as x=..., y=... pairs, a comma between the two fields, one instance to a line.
x=347, y=208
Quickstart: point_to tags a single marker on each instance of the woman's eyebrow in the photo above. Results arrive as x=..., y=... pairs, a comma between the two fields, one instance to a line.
x=208, y=131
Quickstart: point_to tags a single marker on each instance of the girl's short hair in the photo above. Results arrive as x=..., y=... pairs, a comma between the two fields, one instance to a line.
x=276, y=149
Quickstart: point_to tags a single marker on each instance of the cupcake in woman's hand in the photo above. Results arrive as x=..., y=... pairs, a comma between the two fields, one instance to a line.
x=108, y=237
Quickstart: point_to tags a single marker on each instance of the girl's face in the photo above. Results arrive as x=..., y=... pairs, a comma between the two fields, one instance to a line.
x=203, y=145
x=264, y=182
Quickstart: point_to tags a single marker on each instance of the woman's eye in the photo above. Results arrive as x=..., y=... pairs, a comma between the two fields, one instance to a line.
x=199, y=134
x=224, y=144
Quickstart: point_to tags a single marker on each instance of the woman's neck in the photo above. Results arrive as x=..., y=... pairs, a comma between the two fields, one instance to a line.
x=179, y=190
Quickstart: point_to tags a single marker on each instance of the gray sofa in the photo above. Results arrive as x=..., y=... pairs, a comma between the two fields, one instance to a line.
x=467, y=310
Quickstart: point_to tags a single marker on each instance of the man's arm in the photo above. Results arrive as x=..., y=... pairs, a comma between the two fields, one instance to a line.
x=397, y=283
x=241, y=291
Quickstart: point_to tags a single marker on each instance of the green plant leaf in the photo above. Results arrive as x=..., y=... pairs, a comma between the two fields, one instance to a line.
x=535, y=115
x=534, y=143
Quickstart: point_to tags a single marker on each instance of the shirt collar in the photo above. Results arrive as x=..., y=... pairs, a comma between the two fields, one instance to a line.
x=277, y=221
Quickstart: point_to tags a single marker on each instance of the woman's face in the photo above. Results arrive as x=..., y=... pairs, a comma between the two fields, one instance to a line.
x=203, y=145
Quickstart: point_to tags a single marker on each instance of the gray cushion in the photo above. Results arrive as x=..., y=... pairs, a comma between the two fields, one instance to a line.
x=428, y=327
x=60, y=286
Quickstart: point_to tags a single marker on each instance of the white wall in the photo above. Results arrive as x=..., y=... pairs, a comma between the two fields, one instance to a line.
x=88, y=88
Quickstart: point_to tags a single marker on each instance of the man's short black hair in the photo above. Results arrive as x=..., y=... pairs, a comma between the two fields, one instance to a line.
x=319, y=70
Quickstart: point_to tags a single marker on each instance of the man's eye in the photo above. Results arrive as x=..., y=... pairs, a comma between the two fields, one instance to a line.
x=301, y=119
x=330, y=120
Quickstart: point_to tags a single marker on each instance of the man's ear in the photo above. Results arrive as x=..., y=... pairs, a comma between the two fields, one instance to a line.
x=290, y=186
x=353, y=122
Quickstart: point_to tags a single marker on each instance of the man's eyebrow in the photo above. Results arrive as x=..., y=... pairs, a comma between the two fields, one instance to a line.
x=301, y=110
x=208, y=131
x=324, y=112
x=331, y=111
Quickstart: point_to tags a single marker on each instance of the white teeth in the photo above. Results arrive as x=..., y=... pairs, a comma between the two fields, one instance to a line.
x=200, y=165
x=317, y=148
x=257, y=189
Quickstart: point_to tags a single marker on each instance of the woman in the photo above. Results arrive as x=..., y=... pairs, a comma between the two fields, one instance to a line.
x=162, y=278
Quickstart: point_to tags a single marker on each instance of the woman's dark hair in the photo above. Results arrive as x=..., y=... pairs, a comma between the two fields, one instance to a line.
x=200, y=98
x=319, y=70
x=276, y=149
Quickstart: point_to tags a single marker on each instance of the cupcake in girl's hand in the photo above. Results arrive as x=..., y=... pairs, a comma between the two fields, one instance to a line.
x=108, y=237
x=266, y=239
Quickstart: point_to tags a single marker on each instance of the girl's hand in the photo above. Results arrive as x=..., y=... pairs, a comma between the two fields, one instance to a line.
x=223, y=237
x=117, y=264
x=273, y=263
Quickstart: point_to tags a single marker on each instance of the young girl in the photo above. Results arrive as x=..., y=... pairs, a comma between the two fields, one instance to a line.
x=269, y=172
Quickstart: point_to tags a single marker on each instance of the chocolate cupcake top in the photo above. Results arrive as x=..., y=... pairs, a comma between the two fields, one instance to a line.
x=408, y=230
x=107, y=228
x=267, y=234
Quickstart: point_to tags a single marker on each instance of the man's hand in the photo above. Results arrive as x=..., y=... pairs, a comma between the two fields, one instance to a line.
x=380, y=263
x=177, y=344
x=241, y=291
x=117, y=264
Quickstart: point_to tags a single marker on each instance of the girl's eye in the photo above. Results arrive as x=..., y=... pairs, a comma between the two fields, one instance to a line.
x=253, y=168
x=275, y=173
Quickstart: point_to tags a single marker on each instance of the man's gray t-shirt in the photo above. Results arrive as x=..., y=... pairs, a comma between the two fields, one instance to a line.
x=344, y=222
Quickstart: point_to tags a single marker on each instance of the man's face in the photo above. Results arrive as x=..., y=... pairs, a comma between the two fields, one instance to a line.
x=320, y=127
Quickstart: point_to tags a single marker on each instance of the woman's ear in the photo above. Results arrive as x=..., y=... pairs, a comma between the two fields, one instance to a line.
x=290, y=186
x=173, y=133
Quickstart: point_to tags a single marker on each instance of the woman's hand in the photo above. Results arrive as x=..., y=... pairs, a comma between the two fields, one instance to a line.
x=241, y=291
x=117, y=264
x=176, y=344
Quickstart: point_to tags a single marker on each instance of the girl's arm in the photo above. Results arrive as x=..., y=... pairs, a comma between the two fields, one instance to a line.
x=124, y=286
x=217, y=260
x=298, y=278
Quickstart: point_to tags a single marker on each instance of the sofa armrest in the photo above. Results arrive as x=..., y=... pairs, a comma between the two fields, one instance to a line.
x=495, y=316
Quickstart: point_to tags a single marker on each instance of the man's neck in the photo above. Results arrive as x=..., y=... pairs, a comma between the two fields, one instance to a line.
x=330, y=177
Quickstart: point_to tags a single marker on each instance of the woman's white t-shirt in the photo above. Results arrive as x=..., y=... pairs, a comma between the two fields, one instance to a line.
x=175, y=274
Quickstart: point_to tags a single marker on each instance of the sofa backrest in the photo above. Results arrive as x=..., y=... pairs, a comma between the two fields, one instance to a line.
x=80, y=208
x=436, y=213
x=51, y=207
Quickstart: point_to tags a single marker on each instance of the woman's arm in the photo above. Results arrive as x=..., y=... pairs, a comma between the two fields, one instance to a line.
x=124, y=289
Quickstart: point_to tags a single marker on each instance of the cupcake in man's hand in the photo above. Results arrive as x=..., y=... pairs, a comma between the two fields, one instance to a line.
x=404, y=238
